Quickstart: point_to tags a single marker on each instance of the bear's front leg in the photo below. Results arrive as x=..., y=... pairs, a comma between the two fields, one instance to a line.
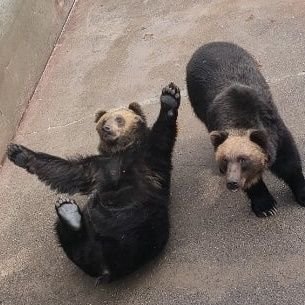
x=66, y=176
x=163, y=134
x=262, y=202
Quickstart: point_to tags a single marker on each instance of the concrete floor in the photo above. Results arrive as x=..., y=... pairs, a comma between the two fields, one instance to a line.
x=112, y=53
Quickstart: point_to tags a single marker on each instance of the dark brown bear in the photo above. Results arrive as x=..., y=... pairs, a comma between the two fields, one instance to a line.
x=230, y=95
x=125, y=222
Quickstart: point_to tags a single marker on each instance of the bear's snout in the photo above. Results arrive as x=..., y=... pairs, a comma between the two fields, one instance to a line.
x=233, y=186
x=234, y=176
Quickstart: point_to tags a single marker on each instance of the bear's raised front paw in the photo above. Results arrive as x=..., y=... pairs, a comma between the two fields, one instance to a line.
x=264, y=207
x=18, y=154
x=170, y=98
x=68, y=212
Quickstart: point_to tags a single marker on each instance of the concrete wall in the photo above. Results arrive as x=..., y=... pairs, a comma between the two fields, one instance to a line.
x=28, y=31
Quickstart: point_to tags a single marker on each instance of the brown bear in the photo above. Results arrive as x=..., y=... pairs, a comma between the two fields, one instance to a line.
x=230, y=95
x=125, y=221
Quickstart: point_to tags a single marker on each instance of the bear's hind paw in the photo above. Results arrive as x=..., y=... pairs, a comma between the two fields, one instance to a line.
x=69, y=212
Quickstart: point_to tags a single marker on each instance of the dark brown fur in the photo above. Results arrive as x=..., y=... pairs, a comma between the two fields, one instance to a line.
x=125, y=221
x=230, y=95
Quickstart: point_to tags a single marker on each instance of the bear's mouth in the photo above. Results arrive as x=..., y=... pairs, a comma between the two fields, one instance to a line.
x=237, y=186
x=235, y=191
x=109, y=138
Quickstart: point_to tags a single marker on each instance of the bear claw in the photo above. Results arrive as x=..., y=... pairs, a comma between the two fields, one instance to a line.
x=18, y=154
x=64, y=200
x=170, y=98
x=271, y=212
x=266, y=213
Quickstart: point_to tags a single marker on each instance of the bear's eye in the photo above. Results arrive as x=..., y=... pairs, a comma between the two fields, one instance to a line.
x=243, y=160
x=223, y=165
x=119, y=120
x=245, y=163
x=221, y=170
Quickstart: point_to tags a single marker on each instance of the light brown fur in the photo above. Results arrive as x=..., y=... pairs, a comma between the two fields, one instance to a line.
x=129, y=131
x=126, y=135
x=239, y=145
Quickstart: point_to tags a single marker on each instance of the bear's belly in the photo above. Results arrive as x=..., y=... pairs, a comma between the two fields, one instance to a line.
x=118, y=196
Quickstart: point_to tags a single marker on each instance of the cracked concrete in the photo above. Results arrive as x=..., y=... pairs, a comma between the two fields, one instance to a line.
x=115, y=52
x=59, y=126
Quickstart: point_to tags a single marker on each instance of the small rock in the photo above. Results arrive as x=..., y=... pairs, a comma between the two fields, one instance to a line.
x=148, y=36
x=251, y=17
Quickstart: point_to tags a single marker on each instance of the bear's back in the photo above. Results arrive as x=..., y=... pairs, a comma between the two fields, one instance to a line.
x=216, y=66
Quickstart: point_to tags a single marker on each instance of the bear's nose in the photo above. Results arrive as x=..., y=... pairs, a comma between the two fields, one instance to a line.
x=106, y=128
x=232, y=186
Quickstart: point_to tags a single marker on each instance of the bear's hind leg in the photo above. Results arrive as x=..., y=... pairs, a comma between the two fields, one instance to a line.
x=69, y=213
x=288, y=167
x=262, y=202
x=291, y=173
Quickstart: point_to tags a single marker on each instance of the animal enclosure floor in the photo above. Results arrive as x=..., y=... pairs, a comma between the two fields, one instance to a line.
x=115, y=52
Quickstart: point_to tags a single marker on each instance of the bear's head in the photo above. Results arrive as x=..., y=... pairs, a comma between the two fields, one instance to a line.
x=120, y=129
x=241, y=156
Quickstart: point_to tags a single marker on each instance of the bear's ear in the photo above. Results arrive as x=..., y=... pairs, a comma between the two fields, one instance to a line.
x=136, y=108
x=98, y=115
x=259, y=137
x=218, y=137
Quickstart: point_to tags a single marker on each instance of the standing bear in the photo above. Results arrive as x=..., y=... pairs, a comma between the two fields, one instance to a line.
x=230, y=95
x=125, y=221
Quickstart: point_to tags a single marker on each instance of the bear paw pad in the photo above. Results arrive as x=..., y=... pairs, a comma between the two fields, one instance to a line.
x=18, y=154
x=170, y=98
x=68, y=212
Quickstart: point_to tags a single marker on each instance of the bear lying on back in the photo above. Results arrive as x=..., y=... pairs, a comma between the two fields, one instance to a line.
x=230, y=95
x=125, y=222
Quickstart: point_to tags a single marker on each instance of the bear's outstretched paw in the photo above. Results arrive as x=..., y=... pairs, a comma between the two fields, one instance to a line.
x=69, y=212
x=18, y=154
x=264, y=207
x=170, y=98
